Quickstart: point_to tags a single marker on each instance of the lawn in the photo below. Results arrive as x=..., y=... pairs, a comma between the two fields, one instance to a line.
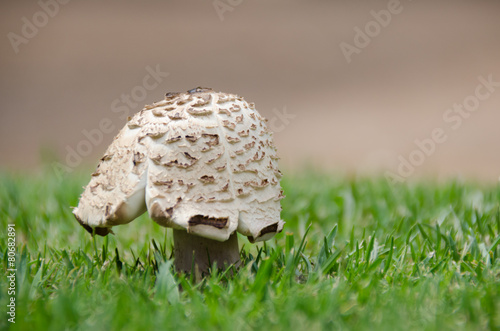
x=355, y=254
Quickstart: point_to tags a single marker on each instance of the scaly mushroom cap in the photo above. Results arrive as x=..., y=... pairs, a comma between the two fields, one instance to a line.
x=201, y=161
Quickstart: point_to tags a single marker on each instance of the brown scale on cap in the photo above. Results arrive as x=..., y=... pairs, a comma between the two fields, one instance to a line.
x=192, y=139
x=219, y=223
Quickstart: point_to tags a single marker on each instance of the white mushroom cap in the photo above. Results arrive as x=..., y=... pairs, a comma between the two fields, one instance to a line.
x=201, y=161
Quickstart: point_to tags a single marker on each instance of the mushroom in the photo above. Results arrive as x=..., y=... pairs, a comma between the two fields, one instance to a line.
x=200, y=162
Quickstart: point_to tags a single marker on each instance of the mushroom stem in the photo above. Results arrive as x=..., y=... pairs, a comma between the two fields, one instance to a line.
x=206, y=252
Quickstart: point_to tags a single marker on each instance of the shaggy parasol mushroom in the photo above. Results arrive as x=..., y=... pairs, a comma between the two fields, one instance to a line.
x=202, y=163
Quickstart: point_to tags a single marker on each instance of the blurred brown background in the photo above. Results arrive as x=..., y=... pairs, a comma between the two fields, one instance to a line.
x=71, y=70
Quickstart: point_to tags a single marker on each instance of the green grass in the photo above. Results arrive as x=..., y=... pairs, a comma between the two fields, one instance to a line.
x=356, y=253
